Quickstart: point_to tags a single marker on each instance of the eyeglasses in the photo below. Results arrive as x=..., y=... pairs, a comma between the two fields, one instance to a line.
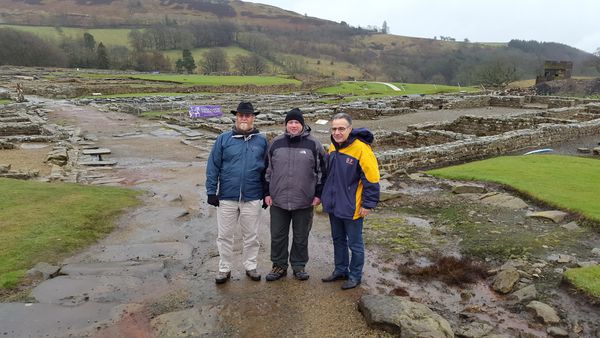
x=340, y=129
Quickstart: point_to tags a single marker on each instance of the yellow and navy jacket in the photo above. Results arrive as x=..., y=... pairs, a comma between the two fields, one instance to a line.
x=352, y=177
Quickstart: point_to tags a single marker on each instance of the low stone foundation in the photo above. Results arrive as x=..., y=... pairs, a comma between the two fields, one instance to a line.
x=415, y=138
x=487, y=126
x=482, y=147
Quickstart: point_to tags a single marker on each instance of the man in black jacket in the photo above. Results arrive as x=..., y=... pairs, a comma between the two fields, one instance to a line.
x=295, y=175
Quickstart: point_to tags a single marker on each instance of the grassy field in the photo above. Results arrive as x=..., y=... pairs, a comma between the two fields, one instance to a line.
x=566, y=182
x=214, y=80
x=198, y=53
x=49, y=221
x=325, y=67
x=137, y=95
x=586, y=279
x=108, y=36
x=372, y=89
x=5, y=101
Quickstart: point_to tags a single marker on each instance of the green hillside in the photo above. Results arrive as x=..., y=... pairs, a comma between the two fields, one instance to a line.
x=287, y=42
x=108, y=36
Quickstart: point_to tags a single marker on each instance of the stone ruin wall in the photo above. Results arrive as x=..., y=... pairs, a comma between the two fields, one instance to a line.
x=24, y=123
x=414, y=139
x=482, y=147
x=438, y=144
x=487, y=126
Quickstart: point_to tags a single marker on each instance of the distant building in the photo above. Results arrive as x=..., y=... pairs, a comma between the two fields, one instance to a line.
x=555, y=70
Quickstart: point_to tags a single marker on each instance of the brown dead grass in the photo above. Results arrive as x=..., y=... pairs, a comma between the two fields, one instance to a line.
x=451, y=270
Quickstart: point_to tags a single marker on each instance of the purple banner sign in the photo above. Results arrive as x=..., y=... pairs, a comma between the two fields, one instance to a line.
x=205, y=111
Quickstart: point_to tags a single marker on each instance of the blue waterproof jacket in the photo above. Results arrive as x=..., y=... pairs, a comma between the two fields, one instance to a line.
x=236, y=166
x=352, y=176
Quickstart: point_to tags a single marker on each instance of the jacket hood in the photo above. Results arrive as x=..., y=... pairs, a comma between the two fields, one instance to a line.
x=357, y=133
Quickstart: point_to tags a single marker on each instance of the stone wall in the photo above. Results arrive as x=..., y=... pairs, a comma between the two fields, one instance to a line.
x=368, y=114
x=482, y=147
x=507, y=101
x=414, y=139
x=486, y=126
x=22, y=128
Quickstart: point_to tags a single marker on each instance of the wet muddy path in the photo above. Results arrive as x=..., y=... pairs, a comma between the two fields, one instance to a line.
x=154, y=275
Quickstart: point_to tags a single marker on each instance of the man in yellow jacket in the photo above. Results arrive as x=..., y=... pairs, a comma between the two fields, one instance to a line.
x=350, y=193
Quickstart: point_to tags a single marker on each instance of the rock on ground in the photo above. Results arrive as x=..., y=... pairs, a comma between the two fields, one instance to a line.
x=555, y=216
x=544, y=312
x=402, y=317
x=505, y=280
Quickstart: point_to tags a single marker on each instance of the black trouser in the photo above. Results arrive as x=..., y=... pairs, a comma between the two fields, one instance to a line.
x=301, y=220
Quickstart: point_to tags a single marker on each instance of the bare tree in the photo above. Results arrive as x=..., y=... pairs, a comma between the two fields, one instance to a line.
x=215, y=61
x=385, y=28
x=496, y=74
x=250, y=64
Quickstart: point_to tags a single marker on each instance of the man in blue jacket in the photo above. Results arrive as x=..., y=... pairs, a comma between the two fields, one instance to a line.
x=235, y=185
x=350, y=193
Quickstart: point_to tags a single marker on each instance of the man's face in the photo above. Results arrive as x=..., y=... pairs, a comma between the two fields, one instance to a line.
x=340, y=130
x=244, y=121
x=293, y=127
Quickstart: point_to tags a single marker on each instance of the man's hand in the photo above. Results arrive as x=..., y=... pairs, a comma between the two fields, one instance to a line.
x=267, y=201
x=213, y=200
x=364, y=212
x=316, y=201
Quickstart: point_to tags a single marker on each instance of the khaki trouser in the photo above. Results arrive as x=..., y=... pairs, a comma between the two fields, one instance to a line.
x=229, y=215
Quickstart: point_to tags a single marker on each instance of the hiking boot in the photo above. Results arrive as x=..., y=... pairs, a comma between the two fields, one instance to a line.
x=253, y=274
x=350, y=284
x=334, y=276
x=222, y=277
x=276, y=273
x=300, y=274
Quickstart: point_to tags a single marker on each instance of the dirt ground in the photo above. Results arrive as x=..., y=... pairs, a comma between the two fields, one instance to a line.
x=423, y=222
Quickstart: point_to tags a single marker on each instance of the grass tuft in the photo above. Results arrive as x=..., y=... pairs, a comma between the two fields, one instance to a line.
x=586, y=279
x=50, y=221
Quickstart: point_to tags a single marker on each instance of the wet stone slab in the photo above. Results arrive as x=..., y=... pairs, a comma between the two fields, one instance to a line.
x=113, y=268
x=76, y=290
x=143, y=252
x=51, y=320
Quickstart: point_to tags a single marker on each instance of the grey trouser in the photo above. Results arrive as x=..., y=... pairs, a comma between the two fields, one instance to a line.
x=301, y=220
x=230, y=215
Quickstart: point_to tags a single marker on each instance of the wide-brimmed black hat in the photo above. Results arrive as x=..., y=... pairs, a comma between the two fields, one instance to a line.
x=246, y=108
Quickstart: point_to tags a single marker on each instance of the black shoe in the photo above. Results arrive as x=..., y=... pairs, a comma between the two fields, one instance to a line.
x=334, y=276
x=253, y=274
x=300, y=274
x=222, y=277
x=276, y=273
x=350, y=284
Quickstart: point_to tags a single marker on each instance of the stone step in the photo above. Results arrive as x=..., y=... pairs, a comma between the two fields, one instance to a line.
x=98, y=163
x=97, y=151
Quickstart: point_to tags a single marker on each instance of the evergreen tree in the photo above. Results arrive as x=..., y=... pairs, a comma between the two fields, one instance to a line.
x=188, y=61
x=102, y=57
x=179, y=66
x=88, y=41
x=385, y=28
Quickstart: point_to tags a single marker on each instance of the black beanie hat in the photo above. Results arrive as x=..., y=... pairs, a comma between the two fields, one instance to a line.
x=295, y=114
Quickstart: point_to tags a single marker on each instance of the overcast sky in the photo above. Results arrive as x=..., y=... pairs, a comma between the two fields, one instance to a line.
x=575, y=23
